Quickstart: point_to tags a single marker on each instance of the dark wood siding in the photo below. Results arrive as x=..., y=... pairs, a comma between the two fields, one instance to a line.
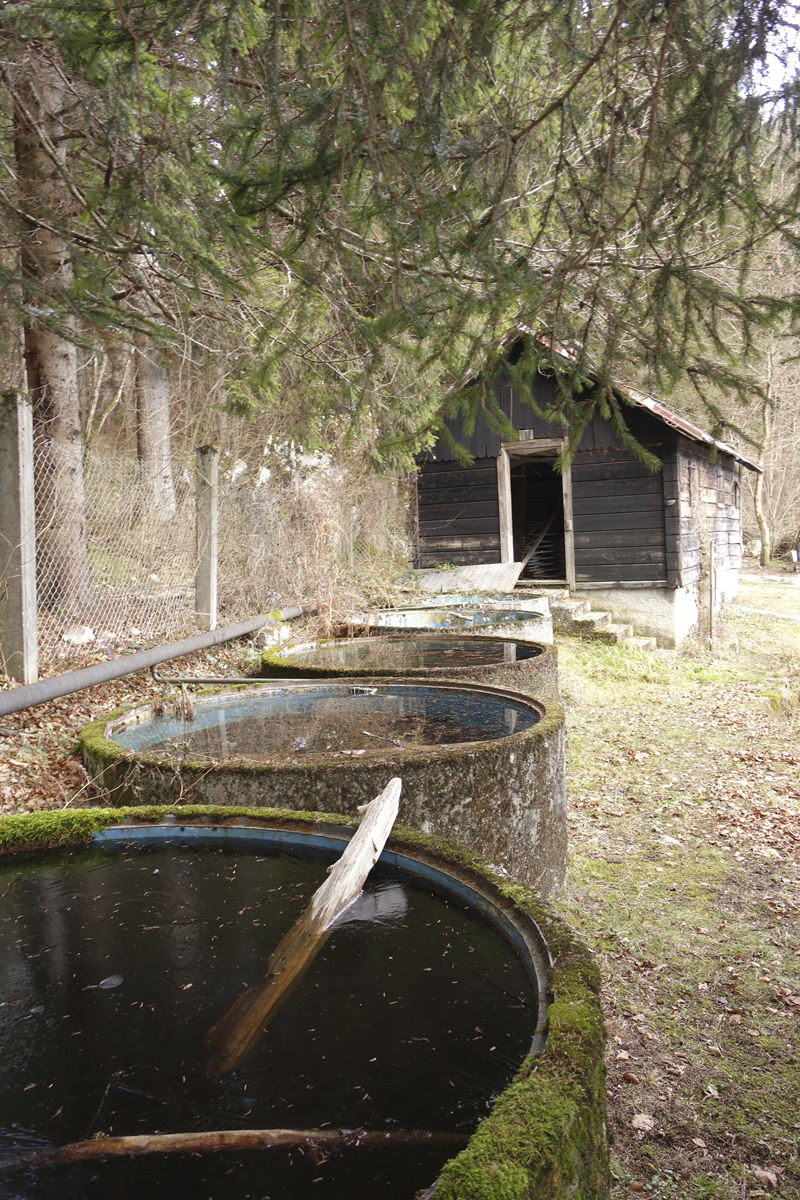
x=618, y=519
x=458, y=516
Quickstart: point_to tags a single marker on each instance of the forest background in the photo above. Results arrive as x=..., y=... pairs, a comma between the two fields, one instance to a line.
x=294, y=230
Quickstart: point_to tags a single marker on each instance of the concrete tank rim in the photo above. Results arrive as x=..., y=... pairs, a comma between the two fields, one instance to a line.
x=557, y=1096
x=94, y=738
x=280, y=657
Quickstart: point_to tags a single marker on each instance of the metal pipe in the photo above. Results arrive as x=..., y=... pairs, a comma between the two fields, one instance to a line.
x=16, y=699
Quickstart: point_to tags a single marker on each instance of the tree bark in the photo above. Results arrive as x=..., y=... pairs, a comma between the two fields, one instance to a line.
x=40, y=103
x=758, y=495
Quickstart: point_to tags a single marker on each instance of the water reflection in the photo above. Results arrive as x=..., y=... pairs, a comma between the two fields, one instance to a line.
x=280, y=723
x=413, y=653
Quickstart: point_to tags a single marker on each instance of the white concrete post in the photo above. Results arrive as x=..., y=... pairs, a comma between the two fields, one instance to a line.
x=206, y=496
x=17, y=540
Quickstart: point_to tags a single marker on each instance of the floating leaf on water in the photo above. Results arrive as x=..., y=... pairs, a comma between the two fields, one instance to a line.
x=111, y=981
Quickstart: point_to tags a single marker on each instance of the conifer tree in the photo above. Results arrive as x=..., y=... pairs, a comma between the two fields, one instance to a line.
x=365, y=185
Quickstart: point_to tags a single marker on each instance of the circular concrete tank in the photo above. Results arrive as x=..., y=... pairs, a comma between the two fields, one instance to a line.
x=479, y=764
x=486, y=621
x=525, y=666
x=116, y=911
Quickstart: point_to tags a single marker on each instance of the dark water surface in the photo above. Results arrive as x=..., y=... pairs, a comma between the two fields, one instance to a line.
x=277, y=723
x=112, y=969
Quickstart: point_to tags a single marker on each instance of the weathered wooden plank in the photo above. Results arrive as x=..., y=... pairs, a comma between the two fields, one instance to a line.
x=633, y=486
x=618, y=504
x=620, y=537
x=487, y=577
x=597, y=556
x=597, y=472
x=235, y=1034
x=590, y=521
x=459, y=527
x=468, y=542
x=473, y=494
x=609, y=456
x=455, y=512
x=642, y=573
x=458, y=558
x=458, y=476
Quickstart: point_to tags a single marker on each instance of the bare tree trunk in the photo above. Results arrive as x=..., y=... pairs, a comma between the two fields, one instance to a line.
x=50, y=358
x=758, y=497
x=153, y=445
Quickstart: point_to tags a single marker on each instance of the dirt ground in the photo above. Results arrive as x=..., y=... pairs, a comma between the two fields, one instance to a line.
x=684, y=785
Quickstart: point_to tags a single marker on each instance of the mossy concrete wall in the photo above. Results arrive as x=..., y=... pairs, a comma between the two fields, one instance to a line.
x=537, y=676
x=505, y=799
x=545, y=1137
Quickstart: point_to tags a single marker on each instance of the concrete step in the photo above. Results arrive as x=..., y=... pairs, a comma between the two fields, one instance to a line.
x=531, y=588
x=590, y=624
x=564, y=611
x=639, y=643
x=614, y=633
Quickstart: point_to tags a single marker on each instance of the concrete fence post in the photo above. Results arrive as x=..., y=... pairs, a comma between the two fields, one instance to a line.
x=18, y=633
x=206, y=498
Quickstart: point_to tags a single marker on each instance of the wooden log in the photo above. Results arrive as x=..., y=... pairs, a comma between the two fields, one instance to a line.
x=235, y=1034
x=237, y=1140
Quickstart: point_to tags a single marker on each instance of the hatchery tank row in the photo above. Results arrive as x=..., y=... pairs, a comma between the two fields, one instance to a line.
x=482, y=765
x=446, y=1009
x=525, y=666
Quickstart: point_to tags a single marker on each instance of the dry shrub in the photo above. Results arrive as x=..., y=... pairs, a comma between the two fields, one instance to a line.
x=330, y=533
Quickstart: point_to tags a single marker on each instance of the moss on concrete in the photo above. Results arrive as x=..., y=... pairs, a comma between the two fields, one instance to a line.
x=537, y=677
x=505, y=798
x=545, y=1138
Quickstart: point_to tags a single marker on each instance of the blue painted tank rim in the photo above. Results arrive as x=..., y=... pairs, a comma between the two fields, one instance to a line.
x=139, y=712
x=520, y=929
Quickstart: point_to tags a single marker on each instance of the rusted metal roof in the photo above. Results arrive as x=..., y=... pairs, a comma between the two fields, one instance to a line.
x=688, y=428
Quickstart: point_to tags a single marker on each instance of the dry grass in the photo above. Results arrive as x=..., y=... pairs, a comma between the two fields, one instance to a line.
x=684, y=777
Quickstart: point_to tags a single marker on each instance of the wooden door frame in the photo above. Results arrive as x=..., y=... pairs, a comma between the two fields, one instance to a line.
x=535, y=447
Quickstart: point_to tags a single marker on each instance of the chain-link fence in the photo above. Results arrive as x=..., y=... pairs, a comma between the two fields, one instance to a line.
x=140, y=585
x=316, y=527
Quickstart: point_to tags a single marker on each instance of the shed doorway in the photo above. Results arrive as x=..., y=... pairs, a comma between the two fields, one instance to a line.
x=535, y=503
x=537, y=518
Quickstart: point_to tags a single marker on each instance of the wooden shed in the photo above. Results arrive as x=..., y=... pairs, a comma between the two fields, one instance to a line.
x=607, y=524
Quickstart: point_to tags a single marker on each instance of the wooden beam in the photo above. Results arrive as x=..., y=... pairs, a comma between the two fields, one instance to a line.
x=237, y=1140
x=236, y=1033
x=534, y=447
x=569, y=527
x=504, y=498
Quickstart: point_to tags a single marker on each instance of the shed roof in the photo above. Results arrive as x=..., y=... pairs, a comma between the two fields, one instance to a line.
x=687, y=428
x=659, y=410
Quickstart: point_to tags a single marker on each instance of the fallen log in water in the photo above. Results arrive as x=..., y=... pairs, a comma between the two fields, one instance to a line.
x=230, y=1039
x=231, y=1140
